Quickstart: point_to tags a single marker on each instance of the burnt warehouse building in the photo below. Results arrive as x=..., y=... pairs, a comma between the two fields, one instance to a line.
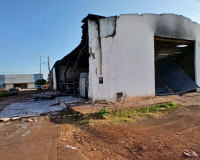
x=131, y=56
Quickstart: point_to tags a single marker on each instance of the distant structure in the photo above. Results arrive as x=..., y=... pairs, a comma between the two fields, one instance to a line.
x=23, y=81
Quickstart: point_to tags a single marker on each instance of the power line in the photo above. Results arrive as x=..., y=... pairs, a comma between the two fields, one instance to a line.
x=13, y=53
x=178, y=8
x=20, y=51
x=18, y=48
x=17, y=61
x=21, y=65
x=17, y=52
x=181, y=7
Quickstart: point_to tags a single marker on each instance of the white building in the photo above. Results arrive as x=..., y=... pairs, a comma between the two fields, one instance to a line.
x=24, y=81
x=132, y=56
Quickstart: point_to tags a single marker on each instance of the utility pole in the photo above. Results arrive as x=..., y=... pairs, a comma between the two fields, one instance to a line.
x=50, y=81
x=49, y=64
x=40, y=68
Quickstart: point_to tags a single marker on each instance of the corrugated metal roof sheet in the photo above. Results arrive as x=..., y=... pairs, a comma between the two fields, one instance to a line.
x=172, y=79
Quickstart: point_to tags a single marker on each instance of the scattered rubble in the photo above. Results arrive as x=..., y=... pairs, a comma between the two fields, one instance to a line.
x=62, y=105
x=5, y=119
x=16, y=118
x=48, y=95
x=190, y=154
x=30, y=120
x=36, y=108
x=70, y=147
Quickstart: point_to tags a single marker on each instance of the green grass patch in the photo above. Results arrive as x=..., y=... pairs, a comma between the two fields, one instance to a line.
x=137, y=113
x=127, y=115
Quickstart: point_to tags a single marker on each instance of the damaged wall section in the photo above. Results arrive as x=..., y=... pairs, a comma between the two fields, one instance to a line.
x=107, y=27
x=99, y=29
x=66, y=72
x=128, y=55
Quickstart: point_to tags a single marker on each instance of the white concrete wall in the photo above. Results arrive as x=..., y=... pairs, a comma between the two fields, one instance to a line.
x=95, y=89
x=31, y=85
x=54, y=79
x=128, y=56
x=21, y=78
x=9, y=86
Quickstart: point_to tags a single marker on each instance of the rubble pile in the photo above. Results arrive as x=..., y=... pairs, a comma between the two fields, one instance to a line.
x=48, y=95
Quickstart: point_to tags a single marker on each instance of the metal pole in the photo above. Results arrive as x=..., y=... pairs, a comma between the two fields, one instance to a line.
x=40, y=68
x=49, y=64
x=50, y=82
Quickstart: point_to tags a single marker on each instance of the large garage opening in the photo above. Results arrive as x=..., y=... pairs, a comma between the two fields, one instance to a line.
x=21, y=85
x=174, y=66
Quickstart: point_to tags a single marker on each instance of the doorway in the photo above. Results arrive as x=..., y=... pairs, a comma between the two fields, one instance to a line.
x=174, y=66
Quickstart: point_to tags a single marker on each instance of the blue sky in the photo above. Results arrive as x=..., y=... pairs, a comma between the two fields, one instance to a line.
x=33, y=28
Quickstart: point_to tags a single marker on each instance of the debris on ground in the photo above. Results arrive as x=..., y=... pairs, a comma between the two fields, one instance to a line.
x=62, y=105
x=30, y=120
x=70, y=147
x=190, y=154
x=83, y=102
x=16, y=118
x=5, y=119
x=160, y=137
x=48, y=95
x=35, y=108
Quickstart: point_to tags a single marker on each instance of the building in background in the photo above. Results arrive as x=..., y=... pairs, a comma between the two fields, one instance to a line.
x=23, y=81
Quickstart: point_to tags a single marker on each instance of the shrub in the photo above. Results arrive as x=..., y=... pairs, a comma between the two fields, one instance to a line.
x=40, y=82
x=104, y=113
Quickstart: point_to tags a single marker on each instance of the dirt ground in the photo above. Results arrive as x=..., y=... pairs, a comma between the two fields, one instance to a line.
x=183, y=100
x=164, y=137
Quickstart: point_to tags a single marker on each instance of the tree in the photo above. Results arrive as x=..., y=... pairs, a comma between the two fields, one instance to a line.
x=40, y=82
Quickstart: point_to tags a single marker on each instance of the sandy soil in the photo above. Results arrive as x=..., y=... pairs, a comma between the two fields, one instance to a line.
x=166, y=137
